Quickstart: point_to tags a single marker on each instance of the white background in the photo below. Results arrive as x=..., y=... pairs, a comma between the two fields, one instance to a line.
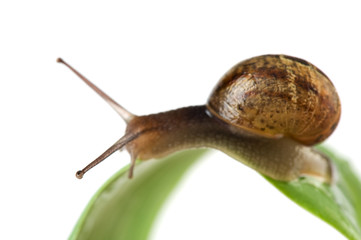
x=153, y=56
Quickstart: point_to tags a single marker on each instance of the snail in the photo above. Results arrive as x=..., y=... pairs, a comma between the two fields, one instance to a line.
x=266, y=112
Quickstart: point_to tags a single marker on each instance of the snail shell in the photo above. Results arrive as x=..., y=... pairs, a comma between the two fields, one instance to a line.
x=276, y=96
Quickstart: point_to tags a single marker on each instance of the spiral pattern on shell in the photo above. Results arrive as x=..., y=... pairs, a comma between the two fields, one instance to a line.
x=275, y=96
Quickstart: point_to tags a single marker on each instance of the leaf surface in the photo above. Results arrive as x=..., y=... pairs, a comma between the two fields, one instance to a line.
x=338, y=204
x=126, y=209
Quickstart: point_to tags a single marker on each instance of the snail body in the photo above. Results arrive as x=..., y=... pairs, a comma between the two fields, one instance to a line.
x=265, y=112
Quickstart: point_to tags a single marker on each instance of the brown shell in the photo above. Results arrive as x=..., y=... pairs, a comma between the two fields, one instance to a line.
x=278, y=95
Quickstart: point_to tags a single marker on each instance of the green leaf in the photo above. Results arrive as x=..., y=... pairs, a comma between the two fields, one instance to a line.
x=338, y=204
x=126, y=208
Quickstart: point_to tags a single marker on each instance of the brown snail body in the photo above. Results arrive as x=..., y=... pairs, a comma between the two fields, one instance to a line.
x=264, y=112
